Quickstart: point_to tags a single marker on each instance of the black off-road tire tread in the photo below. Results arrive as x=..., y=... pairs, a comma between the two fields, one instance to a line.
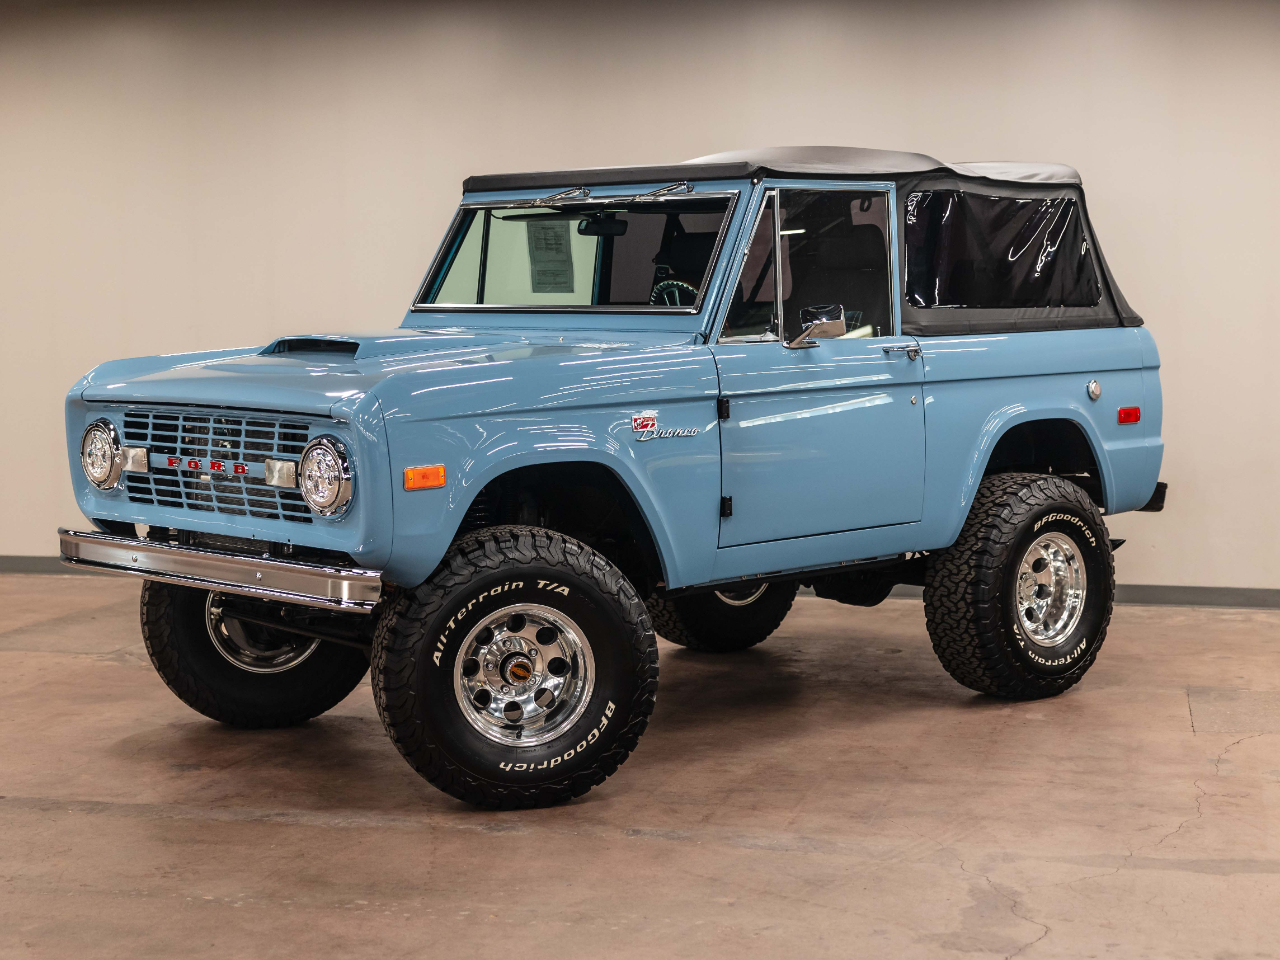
x=156, y=611
x=671, y=623
x=962, y=587
x=399, y=639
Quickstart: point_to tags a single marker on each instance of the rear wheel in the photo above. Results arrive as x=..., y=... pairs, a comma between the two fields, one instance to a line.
x=725, y=620
x=239, y=673
x=1019, y=605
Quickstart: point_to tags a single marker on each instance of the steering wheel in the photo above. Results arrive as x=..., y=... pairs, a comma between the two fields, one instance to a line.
x=671, y=293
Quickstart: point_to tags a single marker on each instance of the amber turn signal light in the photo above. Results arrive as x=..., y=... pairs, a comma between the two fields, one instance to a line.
x=1127, y=415
x=424, y=478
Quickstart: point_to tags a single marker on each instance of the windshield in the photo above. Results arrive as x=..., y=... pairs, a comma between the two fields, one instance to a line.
x=632, y=254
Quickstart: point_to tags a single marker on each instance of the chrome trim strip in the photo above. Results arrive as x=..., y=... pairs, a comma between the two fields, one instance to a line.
x=308, y=584
x=734, y=277
x=601, y=199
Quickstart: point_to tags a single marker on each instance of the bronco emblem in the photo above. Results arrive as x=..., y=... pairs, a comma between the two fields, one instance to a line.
x=645, y=423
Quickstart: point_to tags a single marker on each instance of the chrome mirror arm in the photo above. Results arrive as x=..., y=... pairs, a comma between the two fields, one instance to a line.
x=823, y=321
x=799, y=342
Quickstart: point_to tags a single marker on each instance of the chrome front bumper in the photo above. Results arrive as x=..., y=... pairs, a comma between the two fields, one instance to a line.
x=309, y=584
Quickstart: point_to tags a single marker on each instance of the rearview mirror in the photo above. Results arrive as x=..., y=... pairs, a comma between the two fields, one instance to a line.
x=824, y=321
x=600, y=227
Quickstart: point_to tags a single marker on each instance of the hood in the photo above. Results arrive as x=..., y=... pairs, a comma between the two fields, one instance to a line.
x=312, y=374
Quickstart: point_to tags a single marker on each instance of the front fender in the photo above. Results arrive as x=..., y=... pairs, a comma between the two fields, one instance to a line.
x=675, y=480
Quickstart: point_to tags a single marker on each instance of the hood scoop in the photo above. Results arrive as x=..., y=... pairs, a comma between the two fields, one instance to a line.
x=332, y=347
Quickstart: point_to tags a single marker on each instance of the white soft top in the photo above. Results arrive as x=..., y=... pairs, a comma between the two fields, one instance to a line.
x=860, y=161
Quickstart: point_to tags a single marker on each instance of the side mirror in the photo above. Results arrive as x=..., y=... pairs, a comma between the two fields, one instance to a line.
x=600, y=227
x=822, y=322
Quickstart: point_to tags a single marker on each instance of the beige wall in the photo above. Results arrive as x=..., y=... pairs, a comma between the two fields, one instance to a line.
x=177, y=177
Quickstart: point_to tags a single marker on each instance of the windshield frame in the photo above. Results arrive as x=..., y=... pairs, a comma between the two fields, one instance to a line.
x=449, y=245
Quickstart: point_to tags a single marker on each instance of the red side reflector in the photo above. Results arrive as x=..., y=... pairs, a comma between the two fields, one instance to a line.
x=1129, y=415
x=424, y=478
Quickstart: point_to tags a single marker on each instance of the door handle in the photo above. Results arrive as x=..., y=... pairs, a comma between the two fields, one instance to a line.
x=912, y=350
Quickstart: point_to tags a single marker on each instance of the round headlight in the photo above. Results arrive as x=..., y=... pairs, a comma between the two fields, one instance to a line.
x=324, y=476
x=100, y=454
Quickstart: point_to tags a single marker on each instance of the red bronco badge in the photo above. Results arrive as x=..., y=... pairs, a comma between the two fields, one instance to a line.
x=648, y=420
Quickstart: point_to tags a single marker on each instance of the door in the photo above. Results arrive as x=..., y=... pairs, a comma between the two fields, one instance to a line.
x=828, y=436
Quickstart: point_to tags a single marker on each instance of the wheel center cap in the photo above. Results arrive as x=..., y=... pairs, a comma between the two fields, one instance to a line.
x=517, y=668
x=1027, y=585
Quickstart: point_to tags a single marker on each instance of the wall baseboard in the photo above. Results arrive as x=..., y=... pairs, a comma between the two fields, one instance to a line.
x=1166, y=596
x=1156, y=595
x=12, y=564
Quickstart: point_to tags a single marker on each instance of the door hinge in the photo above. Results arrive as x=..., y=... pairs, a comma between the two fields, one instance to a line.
x=726, y=506
x=722, y=407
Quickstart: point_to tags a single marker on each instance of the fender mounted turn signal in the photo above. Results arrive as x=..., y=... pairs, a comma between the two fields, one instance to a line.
x=1129, y=415
x=424, y=478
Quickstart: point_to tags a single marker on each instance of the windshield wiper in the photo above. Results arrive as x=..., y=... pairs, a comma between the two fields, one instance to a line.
x=573, y=193
x=682, y=187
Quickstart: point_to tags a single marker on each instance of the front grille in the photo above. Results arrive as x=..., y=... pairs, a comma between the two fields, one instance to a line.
x=209, y=435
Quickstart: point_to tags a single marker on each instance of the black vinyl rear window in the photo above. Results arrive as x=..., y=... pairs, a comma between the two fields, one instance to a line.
x=969, y=250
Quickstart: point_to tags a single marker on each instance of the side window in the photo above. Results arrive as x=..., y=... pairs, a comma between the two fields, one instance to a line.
x=969, y=250
x=835, y=250
x=751, y=311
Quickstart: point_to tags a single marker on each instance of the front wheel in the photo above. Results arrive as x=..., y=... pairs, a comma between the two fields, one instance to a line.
x=521, y=674
x=1018, y=606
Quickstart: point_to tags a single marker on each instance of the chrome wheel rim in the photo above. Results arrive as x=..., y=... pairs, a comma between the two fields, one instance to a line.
x=742, y=596
x=250, y=647
x=524, y=675
x=1051, y=589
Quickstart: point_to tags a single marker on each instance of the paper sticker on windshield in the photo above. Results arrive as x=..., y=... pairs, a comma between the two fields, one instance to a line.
x=550, y=259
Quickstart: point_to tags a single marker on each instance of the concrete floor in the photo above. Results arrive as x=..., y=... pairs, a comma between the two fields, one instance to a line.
x=831, y=793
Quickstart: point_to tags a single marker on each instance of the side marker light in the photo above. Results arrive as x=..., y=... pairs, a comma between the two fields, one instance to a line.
x=424, y=478
x=1129, y=415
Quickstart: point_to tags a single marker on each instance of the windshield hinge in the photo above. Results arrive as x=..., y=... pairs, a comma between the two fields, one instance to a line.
x=682, y=187
x=573, y=193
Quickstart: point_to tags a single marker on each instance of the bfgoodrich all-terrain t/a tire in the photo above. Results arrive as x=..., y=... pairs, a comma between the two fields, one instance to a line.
x=283, y=683
x=1018, y=606
x=723, y=621
x=521, y=673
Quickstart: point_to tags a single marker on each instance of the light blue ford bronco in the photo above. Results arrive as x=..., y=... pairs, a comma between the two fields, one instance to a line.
x=638, y=399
